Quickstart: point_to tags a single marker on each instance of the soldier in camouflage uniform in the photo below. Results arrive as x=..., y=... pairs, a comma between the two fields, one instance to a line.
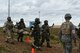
x=8, y=26
x=67, y=31
x=45, y=34
x=36, y=34
x=21, y=27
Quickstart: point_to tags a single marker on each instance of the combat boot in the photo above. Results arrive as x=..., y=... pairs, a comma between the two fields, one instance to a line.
x=38, y=49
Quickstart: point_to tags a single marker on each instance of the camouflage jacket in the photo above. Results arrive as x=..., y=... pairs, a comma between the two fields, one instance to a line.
x=8, y=25
x=45, y=28
x=21, y=25
x=67, y=30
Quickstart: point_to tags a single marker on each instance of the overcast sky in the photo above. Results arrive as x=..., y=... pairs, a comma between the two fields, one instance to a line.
x=51, y=10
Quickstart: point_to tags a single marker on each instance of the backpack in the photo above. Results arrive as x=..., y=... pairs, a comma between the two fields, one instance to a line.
x=66, y=28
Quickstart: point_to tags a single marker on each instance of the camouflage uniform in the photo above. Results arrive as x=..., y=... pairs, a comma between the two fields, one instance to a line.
x=67, y=32
x=45, y=34
x=21, y=27
x=36, y=33
x=8, y=26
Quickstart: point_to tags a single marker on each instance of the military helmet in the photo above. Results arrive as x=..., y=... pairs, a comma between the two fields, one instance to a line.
x=37, y=20
x=46, y=21
x=9, y=18
x=21, y=19
x=68, y=16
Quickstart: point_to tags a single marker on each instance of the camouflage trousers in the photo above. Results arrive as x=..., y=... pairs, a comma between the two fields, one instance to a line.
x=9, y=36
x=67, y=43
x=45, y=36
x=37, y=39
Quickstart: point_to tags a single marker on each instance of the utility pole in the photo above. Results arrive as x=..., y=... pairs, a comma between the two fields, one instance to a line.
x=8, y=8
x=39, y=14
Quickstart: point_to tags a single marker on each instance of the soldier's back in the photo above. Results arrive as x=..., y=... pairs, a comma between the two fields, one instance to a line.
x=66, y=28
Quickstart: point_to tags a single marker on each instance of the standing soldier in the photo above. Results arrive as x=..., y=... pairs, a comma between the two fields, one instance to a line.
x=21, y=27
x=36, y=34
x=67, y=31
x=45, y=34
x=8, y=26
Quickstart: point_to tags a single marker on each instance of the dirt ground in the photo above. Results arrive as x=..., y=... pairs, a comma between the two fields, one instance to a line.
x=19, y=47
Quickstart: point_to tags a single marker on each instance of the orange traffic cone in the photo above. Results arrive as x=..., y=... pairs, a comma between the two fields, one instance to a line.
x=32, y=50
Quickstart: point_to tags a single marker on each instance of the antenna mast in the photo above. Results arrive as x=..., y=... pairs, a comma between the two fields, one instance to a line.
x=8, y=8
